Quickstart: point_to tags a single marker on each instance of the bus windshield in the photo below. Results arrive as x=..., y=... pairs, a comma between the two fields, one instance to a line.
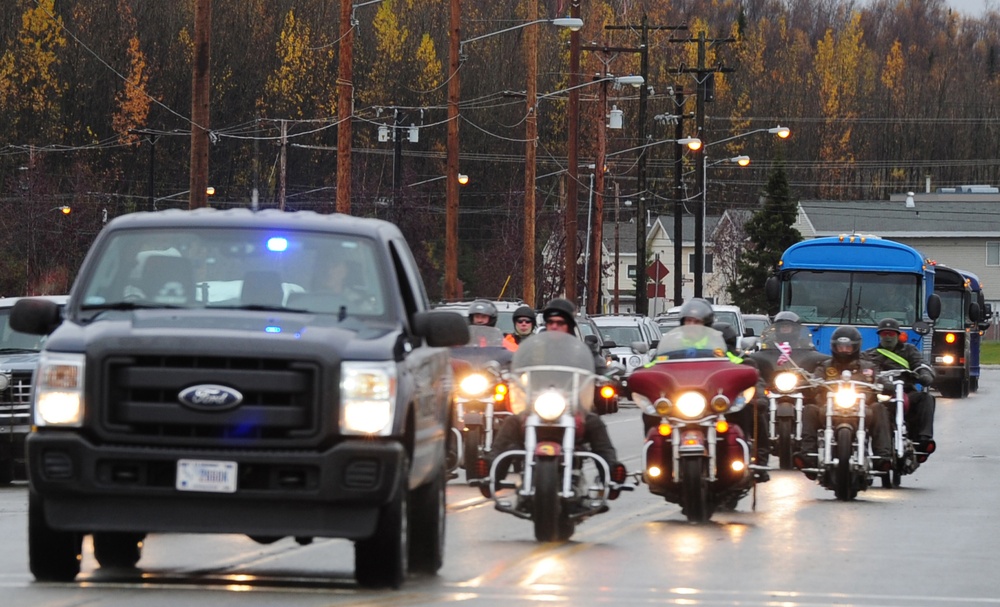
x=952, y=311
x=853, y=298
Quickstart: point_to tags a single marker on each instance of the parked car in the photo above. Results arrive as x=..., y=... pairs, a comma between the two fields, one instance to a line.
x=756, y=323
x=505, y=310
x=723, y=313
x=635, y=336
x=204, y=378
x=18, y=357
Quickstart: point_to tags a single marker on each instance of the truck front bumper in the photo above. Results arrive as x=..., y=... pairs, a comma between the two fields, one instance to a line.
x=334, y=493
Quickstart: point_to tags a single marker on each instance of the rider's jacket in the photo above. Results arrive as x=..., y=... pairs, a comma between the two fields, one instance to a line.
x=903, y=356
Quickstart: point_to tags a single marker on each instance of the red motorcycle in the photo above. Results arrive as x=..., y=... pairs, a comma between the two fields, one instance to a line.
x=693, y=456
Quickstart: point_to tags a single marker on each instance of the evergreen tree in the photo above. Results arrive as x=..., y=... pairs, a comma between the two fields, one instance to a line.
x=769, y=232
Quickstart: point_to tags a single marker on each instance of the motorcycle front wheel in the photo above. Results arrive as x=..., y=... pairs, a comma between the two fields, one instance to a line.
x=695, y=490
x=785, y=443
x=471, y=441
x=844, y=486
x=546, y=503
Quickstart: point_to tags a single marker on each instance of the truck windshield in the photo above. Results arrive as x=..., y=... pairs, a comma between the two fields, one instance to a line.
x=237, y=268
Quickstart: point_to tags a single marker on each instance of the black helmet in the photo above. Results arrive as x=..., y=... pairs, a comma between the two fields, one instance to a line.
x=562, y=308
x=786, y=315
x=698, y=308
x=482, y=306
x=526, y=312
x=888, y=324
x=728, y=333
x=843, y=337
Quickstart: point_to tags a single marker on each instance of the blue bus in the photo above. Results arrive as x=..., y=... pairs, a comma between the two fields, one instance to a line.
x=981, y=325
x=952, y=345
x=858, y=280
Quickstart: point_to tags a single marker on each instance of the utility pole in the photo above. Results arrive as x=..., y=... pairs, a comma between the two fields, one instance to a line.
x=678, y=198
x=255, y=193
x=705, y=77
x=641, y=297
x=573, y=123
x=531, y=136
x=451, y=177
x=345, y=106
x=282, y=164
x=200, y=93
x=617, y=201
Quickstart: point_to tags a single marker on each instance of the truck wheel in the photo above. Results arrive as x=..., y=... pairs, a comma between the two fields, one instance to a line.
x=117, y=549
x=6, y=470
x=427, y=524
x=381, y=560
x=53, y=556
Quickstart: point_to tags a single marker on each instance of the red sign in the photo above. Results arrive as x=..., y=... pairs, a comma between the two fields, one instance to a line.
x=657, y=290
x=657, y=271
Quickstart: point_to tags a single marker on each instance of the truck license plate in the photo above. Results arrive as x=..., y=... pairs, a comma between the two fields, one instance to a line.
x=206, y=475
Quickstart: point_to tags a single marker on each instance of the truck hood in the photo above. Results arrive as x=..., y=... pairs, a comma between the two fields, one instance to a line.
x=228, y=333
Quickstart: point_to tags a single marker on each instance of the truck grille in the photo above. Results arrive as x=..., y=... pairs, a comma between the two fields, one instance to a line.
x=15, y=401
x=280, y=399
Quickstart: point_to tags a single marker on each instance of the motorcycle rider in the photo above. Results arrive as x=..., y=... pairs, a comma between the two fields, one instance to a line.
x=756, y=409
x=524, y=327
x=845, y=346
x=559, y=315
x=787, y=329
x=483, y=312
x=892, y=353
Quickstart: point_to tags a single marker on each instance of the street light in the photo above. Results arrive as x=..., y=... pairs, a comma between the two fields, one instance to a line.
x=455, y=49
x=699, y=224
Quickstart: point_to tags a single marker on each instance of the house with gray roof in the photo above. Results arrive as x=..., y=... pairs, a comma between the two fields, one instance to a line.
x=957, y=229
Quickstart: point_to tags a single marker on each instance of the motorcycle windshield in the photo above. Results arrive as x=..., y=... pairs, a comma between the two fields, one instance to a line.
x=795, y=334
x=485, y=344
x=786, y=345
x=691, y=341
x=552, y=361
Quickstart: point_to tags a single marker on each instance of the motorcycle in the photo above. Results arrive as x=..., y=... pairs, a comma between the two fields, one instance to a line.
x=844, y=458
x=481, y=401
x=556, y=492
x=783, y=349
x=692, y=456
x=608, y=392
x=905, y=457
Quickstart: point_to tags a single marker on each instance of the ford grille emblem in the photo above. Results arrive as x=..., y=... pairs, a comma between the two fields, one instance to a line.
x=210, y=397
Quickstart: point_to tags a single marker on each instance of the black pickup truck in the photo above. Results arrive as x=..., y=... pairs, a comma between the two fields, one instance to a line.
x=269, y=374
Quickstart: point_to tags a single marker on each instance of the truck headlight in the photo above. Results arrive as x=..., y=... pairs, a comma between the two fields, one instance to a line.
x=58, y=391
x=367, y=397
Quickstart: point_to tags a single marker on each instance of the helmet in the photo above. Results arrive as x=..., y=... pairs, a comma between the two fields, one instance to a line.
x=728, y=333
x=786, y=315
x=888, y=324
x=562, y=308
x=525, y=312
x=482, y=306
x=698, y=308
x=839, y=342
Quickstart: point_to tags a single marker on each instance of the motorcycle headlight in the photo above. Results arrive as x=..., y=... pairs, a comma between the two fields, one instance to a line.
x=845, y=397
x=691, y=404
x=749, y=393
x=884, y=398
x=786, y=381
x=367, y=397
x=550, y=405
x=59, y=392
x=474, y=384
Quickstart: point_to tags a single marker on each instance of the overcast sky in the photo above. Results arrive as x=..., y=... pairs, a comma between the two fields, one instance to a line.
x=973, y=8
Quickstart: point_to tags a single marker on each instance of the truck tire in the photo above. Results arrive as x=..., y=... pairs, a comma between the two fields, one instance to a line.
x=53, y=556
x=427, y=526
x=381, y=561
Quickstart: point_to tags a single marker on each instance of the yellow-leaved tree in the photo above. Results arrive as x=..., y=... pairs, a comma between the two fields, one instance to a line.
x=133, y=100
x=30, y=89
x=294, y=90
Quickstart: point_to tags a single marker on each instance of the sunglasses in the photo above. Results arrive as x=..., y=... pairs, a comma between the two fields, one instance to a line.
x=556, y=321
x=523, y=321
